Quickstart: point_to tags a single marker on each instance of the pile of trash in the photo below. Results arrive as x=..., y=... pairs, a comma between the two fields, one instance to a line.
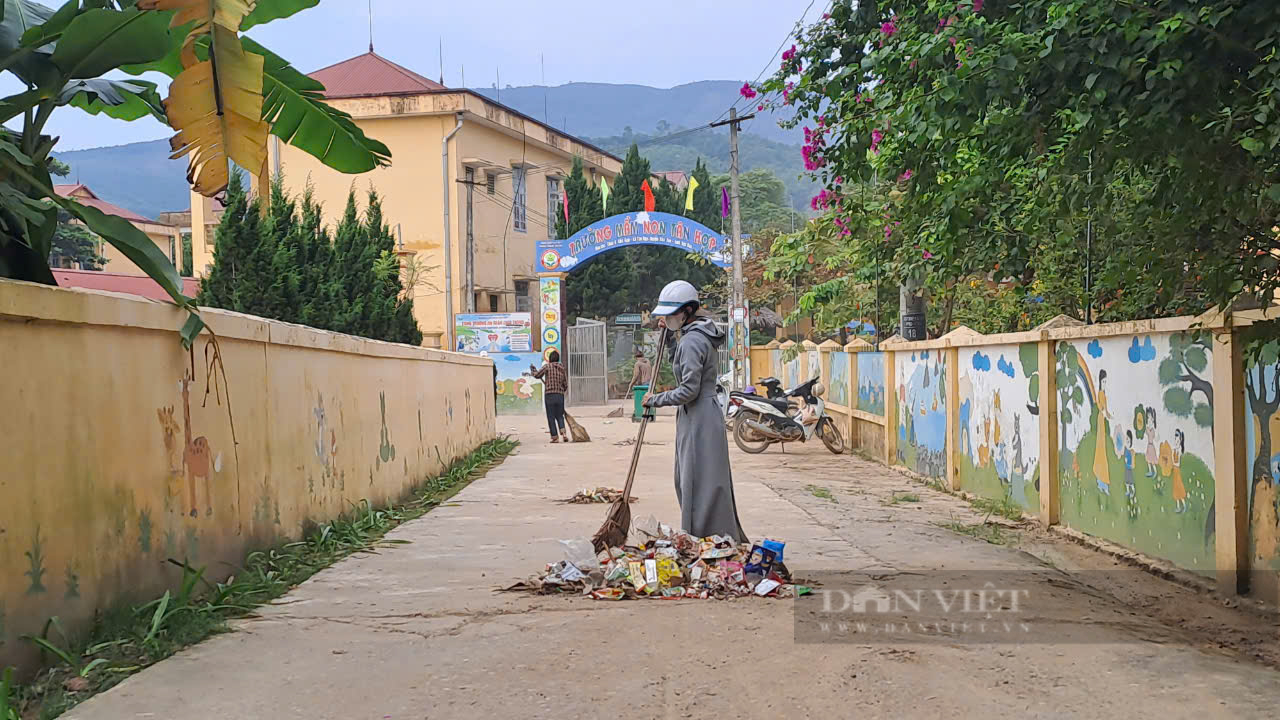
x=598, y=495
x=668, y=564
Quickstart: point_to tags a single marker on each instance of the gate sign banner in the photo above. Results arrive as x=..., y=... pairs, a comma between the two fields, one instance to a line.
x=640, y=228
x=549, y=290
x=493, y=332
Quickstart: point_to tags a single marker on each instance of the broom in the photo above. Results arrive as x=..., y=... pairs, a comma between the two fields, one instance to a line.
x=617, y=524
x=579, y=433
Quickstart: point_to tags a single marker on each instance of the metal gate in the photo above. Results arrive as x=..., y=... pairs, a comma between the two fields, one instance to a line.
x=588, y=363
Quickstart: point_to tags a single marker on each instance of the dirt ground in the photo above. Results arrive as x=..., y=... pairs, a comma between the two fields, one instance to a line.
x=417, y=630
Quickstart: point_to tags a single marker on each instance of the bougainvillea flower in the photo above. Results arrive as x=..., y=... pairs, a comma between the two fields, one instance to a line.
x=977, y=5
x=787, y=55
x=876, y=137
x=927, y=255
x=889, y=27
x=746, y=91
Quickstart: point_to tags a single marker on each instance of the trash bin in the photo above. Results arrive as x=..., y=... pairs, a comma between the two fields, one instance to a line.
x=639, y=392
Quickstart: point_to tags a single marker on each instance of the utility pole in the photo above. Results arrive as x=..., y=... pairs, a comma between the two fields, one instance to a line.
x=737, y=303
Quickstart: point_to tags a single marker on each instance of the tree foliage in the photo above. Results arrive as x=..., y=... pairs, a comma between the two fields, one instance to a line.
x=227, y=93
x=75, y=246
x=976, y=140
x=283, y=264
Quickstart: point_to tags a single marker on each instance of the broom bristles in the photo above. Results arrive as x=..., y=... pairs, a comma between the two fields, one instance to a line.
x=617, y=525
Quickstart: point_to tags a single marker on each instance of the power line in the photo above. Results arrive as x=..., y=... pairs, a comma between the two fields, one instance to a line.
x=769, y=63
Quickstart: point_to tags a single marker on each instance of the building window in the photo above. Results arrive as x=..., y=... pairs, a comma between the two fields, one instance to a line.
x=493, y=303
x=523, y=301
x=491, y=183
x=554, y=210
x=173, y=251
x=519, y=209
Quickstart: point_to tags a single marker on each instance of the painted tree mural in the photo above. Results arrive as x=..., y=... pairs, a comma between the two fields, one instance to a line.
x=1188, y=359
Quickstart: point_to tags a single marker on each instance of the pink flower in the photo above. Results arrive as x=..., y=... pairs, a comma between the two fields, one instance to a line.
x=977, y=5
x=926, y=254
x=912, y=65
x=813, y=203
x=953, y=41
x=787, y=55
x=760, y=107
x=888, y=231
x=839, y=179
x=876, y=137
x=826, y=16
x=889, y=27
x=905, y=176
x=746, y=91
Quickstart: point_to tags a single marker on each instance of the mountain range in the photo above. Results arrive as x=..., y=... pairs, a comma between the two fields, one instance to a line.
x=141, y=177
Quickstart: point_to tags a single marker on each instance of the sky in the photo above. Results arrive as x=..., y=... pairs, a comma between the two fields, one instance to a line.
x=662, y=43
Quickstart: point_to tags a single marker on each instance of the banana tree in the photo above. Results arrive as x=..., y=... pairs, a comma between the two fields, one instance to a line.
x=226, y=95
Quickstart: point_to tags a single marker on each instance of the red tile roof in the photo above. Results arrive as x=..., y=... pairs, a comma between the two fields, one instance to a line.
x=85, y=196
x=675, y=177
x=140, y=285
x=371, y=75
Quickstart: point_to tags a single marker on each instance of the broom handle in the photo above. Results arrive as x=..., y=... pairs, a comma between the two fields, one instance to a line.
x=644, y=419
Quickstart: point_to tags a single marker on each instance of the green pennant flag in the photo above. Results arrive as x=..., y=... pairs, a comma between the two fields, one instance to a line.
x=604, y=195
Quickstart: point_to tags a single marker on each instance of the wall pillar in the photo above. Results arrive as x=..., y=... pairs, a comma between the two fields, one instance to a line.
x=890, y=409
x=1230, y=468
x=1048, y=402
x=953, y=414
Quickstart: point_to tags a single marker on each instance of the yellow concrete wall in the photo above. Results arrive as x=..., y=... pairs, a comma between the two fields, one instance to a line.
x=99, y=473
x=160, y=235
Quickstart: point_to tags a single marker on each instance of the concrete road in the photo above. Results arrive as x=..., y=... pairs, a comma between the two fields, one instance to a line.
x=417, y=631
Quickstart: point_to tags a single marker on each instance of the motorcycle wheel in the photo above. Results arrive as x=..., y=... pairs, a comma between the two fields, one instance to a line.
x=742, y=436
x=831, y=436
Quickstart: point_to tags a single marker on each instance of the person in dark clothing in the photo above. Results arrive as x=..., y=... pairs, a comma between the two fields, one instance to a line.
x=555, y=383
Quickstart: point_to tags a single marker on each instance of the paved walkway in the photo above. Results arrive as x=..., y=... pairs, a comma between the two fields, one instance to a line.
x=415, y=631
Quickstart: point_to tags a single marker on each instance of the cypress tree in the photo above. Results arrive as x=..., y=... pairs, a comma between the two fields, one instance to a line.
x=231, y=251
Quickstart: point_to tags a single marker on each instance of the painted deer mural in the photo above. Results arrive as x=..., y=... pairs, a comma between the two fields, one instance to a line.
x=197, y=457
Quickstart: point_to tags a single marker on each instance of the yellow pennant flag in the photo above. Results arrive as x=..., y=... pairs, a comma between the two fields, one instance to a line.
x=688, y=199
x=604, y=195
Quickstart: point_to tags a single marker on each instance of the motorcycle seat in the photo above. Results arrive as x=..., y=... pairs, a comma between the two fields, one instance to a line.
x=780, y=403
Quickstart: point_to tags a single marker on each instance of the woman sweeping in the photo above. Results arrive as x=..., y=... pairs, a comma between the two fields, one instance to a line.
x=704, y=483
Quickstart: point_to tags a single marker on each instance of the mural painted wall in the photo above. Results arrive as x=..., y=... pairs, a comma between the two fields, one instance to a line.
x=998, y=440
x=1262, y=456
x=775, y=364
x=871, y=382
x=1136, y=443
x=130, y=459
x=791, y=372
x=922, y=412
x=518, y=393
x=839, y=380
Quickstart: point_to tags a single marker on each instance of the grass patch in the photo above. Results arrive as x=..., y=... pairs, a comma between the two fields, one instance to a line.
x=986, y=531
x=899, y=498
x=820, y=492
x=1005, y=507
x=126, y=640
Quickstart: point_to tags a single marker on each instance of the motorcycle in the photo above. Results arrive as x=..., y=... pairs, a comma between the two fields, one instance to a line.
x=762, y=421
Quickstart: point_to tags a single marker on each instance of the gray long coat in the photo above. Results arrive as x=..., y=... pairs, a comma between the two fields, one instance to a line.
x=704, y=483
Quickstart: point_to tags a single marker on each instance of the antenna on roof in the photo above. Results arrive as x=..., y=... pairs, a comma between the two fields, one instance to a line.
x=442, y=60
x=464, y=76
x=542, y=58
x=497, y=85
x=370, y=25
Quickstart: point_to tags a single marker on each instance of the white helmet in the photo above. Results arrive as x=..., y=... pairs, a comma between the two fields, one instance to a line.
x=674, y=296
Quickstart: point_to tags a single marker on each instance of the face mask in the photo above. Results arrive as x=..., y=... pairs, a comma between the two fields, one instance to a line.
x=675, y=321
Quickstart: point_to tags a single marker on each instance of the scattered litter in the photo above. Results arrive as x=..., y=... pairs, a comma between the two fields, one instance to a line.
x=667, y=564
x=599, y=495
x=632, y=441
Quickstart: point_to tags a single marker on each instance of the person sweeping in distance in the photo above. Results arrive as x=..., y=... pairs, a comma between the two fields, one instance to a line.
x=704, y=482
x=555, y=383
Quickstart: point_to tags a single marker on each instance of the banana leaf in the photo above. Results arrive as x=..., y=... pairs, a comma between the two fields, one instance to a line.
x=120, y=99
x=267, y=10
x=294, y=107
x=98, y=41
